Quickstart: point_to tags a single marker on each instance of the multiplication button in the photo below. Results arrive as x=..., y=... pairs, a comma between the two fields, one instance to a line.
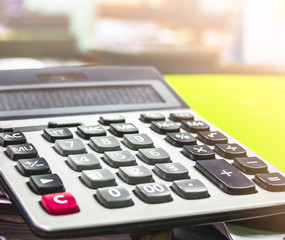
x=114, y=197
x=198, y=152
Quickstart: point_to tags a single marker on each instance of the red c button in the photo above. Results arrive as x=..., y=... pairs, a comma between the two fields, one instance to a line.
x=59, y=203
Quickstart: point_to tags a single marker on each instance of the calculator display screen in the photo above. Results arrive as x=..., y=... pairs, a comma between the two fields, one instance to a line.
x=13, y=100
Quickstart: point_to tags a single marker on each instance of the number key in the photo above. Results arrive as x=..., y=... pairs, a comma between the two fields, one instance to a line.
x=154, y=155
x=103, y=144
x=137, y=141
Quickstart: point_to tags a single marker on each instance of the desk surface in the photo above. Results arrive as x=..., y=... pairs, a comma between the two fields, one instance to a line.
x=250, y=108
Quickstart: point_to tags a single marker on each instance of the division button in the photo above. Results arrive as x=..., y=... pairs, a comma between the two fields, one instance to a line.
x=69, y=147
x=59, y=203
x=164, y=127
x=119, y=129
x=250, y=165
x=12, y=138
x=171, y=171
x=98, y=178
x=47, y=183
x=194, y=126
x=119, y=158
x=114, y=197
x=274, y=181
x=179, y=139
x=53, y=134
x=108, y=119
x=149, y=117
x=154, y=155
x=230, y=150
x=153, y=193
x=135, y=174
x=226, y=176
x=198, y=152
x=212, y=138
x=181, y=116
x=138, y=141
x=33, y=166
x=87, y=132
x=80, y=162
x=190, y=189
x=21, y=151
x=104, y=144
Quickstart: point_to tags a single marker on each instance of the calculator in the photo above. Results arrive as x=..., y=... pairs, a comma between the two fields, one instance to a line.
x=107, y=150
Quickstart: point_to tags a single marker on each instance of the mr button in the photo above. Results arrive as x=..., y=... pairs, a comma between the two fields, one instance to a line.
x=59, y=203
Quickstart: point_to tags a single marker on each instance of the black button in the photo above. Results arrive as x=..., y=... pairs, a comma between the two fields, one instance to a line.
x=138, y=141
x=47, y=183
x=212, y=138
x=226, y=176
x=149, y=117
x=114, y=197
x=164, y=127
x=108, y=119
x=274, y=182
x=22, y=151
x=119, y=129
x=182, y=116
x=87, y=132
x=53, y=134
x=33, y=166
x=180, y=139
x=230, y=150
x=250, y=165
x=198, y=152
x=190, y=189
x=12, y=138
x=194, y=126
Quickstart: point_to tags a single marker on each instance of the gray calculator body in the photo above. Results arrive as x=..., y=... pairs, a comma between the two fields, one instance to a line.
x=128, y=92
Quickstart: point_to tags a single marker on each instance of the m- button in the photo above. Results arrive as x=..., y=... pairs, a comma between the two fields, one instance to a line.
x=59, y=203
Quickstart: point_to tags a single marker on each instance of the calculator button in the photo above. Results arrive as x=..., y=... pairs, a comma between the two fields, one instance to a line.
x=135, y=175
x=59, y=203
x=21, y=151
x=212, y=138
x=250, y=165
x=182, y=116
x=104, y=144
x=53, y=134
x=98, y=178
x=226, y=176
x=47, y=183
x=119, y=129
x=180, y=139
x=108, y=119
x=119, y=158
x=87, y=132
x=12, y=138
x=138, y=141
x=149, y=117
x=82, y=162
x=164, y=127
x=194, y=126
x=114, y=197
x=153, y=193
x=230, y=150
x=154, y=155
x=171, y=171
x=190, y=189
x=198, y=152
x=33, y=166
x=69, y=147
x=273, y=182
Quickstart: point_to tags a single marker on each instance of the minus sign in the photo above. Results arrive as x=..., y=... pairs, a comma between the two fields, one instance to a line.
x=252, y=162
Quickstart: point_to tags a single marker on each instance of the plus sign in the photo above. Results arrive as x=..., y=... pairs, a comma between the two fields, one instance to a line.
x=226, y=173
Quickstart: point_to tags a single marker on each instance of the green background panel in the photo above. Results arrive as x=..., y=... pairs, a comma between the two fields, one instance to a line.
x=250, y=108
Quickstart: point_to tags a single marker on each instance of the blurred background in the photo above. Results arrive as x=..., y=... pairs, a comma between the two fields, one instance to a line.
x=177, y=37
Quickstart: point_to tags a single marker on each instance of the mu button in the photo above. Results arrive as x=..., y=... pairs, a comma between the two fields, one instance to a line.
x=59, y=203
